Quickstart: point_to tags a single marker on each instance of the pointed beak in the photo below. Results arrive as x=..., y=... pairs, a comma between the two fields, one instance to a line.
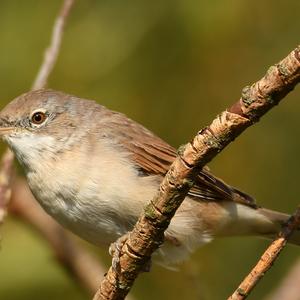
x=6, y=130
x=5, y=127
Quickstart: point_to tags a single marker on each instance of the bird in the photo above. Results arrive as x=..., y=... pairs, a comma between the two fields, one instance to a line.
x=94, y=170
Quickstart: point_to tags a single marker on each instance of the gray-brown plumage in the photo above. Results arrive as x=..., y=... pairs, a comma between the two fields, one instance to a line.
x=93, y=170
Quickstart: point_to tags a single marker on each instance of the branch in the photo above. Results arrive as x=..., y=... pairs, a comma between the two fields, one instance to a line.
x=6, y=172
x=148, y=233
x=40, y=82
x=77, y=261
x=52, y=51
x=267, y=259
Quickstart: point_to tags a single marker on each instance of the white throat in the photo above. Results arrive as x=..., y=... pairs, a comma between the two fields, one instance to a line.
x=31, y=148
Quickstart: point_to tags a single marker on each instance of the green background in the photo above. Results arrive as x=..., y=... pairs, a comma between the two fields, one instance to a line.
x=171, y=65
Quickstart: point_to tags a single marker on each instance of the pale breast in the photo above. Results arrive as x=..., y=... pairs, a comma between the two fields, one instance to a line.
x=98, y=197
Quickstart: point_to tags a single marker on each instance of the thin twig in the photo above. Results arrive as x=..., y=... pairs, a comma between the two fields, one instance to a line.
x=40, y=82
x=6, y=172
x=148, y=233
x=267, y=259
x=52, y=51
x=80, y=264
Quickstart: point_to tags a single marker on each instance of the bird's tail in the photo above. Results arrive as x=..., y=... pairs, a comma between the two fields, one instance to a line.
x=278, y=219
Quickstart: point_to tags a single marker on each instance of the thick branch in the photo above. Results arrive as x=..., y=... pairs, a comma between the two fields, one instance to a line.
x=148, y=233
x=267, y=259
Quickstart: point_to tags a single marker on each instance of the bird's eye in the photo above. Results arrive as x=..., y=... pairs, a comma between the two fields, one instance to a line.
x=38, y=117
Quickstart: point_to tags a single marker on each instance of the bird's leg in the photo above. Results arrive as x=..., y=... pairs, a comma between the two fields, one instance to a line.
x=115, y=251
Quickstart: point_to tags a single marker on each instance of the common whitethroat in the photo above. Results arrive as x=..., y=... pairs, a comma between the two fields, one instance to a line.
x=93, y=170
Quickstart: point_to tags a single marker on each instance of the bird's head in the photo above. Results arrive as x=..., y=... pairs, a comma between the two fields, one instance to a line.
x=44, y=122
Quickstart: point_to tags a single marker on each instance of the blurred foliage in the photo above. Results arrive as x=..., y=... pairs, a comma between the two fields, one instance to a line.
x=171, y=65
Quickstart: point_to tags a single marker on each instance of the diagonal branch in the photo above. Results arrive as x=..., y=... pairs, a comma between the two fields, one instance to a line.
x=77, y=261
x=267, y=259
x=40, y=82
x=52, y=51
x=81, y=265
x=148, y=232
x=6, y=172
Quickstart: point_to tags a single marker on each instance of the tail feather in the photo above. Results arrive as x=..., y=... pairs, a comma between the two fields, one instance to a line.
x=278, y=219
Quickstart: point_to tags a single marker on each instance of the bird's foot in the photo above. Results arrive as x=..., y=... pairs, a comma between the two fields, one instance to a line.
x=115, y=251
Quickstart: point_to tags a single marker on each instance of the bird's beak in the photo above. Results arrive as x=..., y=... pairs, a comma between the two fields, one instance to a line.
x=5, y=127
x=6, y=130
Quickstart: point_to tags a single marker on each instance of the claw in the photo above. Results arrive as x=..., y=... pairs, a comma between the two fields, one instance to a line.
x=115, y=251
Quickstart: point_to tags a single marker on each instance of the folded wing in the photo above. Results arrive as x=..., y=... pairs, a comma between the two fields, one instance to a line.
x=154, y=156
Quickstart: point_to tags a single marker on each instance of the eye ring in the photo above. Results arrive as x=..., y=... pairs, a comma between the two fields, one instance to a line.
x=38, y=117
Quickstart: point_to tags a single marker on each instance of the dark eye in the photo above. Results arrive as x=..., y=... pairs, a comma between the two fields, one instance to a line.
x=38, y=117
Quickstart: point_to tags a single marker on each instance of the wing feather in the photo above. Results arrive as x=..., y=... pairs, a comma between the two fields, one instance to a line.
x=154, y=156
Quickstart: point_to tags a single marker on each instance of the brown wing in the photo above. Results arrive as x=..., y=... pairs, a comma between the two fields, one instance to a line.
x=154, y=156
